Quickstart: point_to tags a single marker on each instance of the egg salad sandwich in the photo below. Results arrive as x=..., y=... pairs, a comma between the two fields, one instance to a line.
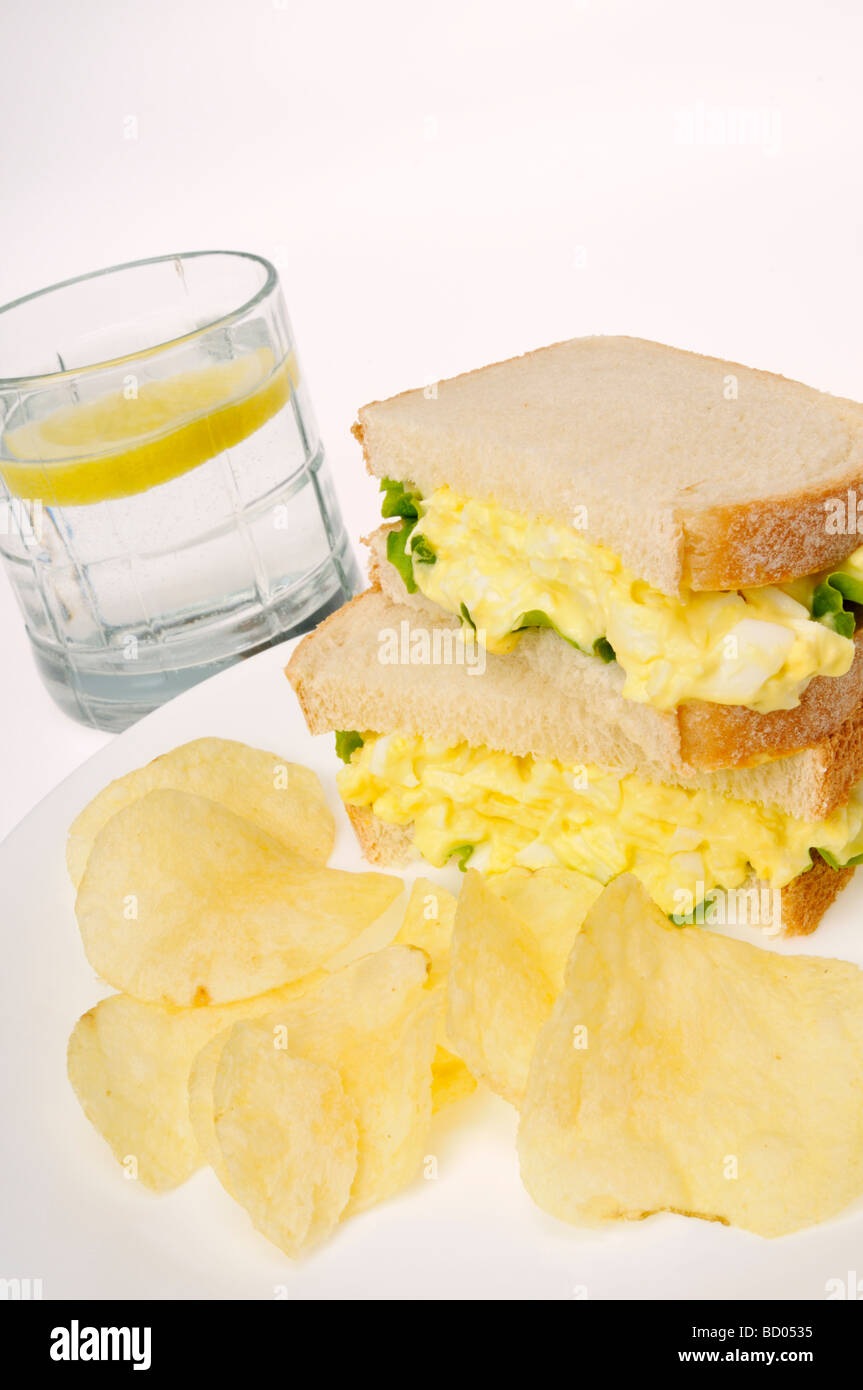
x=613, y=625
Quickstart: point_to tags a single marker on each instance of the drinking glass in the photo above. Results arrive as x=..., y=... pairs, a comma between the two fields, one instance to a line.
x=165, y=504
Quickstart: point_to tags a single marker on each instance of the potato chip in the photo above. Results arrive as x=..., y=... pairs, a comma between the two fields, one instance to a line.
x=684, y=1071
x=129, y=1066
x=512, y=936
x=201, y=1081
x=128, y=1063
x=288, y=1137
x=428, y=924
x=184, y=902
x=451, y=1079
x=499, y=995
x=373, y=1024
x=202, y=1073
x=552, y=902
x=283, y=798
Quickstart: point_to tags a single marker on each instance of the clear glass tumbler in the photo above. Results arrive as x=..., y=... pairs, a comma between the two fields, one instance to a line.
x=165, y=505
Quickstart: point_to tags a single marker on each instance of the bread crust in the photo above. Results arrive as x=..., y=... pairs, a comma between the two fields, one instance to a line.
x=303, y=654
x=717, y=736
x=762, y=540
x=806, y=898
x=770, y=541
x=708, y=737
x=388, y=846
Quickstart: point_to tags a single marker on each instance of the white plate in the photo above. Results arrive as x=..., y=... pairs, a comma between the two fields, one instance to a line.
x=71, y=1219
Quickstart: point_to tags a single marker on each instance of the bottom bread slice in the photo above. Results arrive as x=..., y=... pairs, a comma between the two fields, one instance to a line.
x=697, y=736
x=803, y=901
x=542, y=699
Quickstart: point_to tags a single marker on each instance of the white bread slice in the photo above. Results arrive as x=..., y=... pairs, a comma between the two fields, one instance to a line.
x=708, y=737
x=697, y=472
x=544, y=698
x=804, y=900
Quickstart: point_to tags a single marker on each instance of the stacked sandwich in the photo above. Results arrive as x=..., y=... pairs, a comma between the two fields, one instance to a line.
x=612, y=626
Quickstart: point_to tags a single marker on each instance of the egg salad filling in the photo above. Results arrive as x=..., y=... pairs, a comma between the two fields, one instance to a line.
x=503, y=572
x=496, y=811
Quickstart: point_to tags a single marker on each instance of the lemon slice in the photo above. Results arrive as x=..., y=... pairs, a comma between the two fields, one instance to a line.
x=113, y=447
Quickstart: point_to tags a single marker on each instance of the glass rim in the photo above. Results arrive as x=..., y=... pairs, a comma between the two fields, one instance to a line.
x=271, y=279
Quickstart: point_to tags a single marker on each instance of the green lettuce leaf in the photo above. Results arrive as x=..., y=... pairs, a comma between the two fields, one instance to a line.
x=829, y=598
x=537, y=618
x=463, y=854
x=347, y=743
x=402, y=501
x=691, y=919
x=399, y=500
x=604, y=650
x=422, y=551
x=398, y=555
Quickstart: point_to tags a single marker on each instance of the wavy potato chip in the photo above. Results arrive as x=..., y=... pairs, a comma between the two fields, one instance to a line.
x=129, y=1063
x=552, y=902
x=284, y=799
x=288, y=1136
x=373, y=1024
x=183, y=902
x=499, y=995
x=684, y=1071
x=428, y=924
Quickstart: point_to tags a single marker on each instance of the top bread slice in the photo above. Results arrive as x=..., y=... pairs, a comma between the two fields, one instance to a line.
x=544, y=698
x=698, y=473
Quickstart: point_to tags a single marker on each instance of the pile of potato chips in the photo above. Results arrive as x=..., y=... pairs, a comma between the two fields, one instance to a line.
x=656, y=1068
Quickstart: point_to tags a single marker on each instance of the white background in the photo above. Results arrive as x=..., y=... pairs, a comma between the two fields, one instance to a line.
x=440, y=185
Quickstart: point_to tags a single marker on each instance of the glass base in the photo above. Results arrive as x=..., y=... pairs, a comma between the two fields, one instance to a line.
x=113, y=697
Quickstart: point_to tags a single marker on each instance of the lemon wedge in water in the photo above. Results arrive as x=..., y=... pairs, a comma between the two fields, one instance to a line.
x=114, y=447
